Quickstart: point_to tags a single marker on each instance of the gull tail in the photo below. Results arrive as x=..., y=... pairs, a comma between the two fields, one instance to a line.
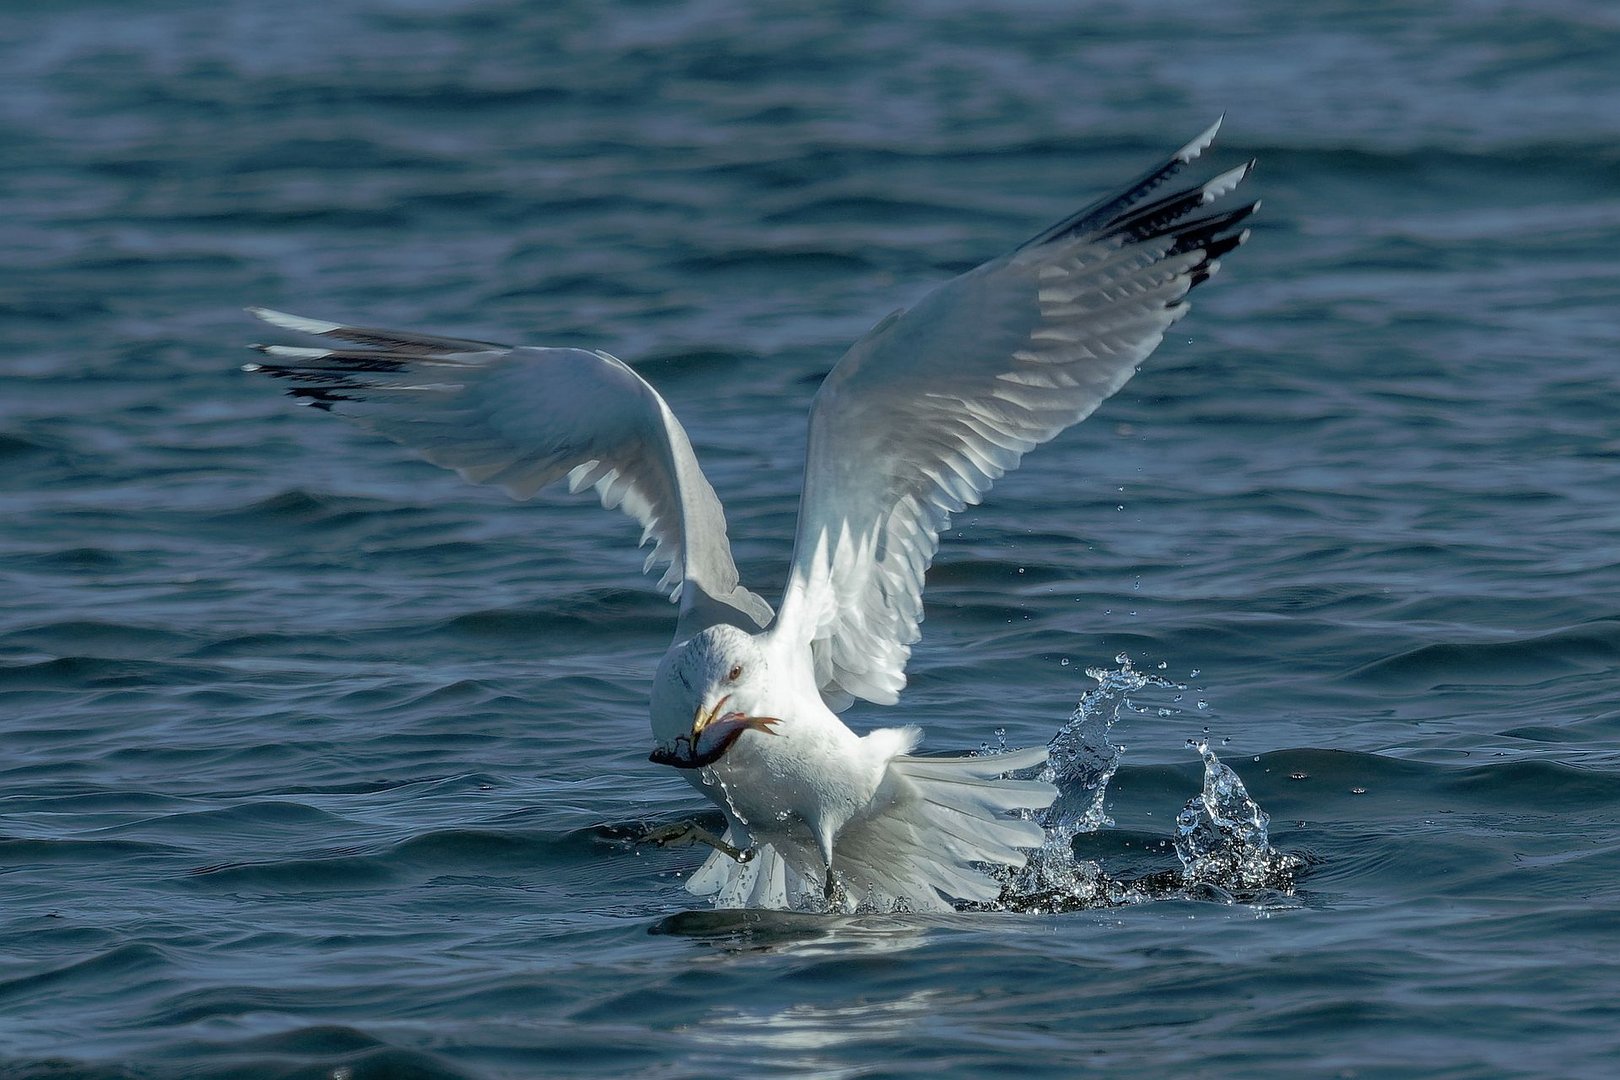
x=935, y=827
x=927, y=840
x=765, y=881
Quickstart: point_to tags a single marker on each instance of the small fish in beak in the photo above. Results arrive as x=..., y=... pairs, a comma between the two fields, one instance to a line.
x=711, y=736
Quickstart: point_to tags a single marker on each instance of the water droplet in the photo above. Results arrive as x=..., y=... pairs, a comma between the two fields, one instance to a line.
x=1064, y=662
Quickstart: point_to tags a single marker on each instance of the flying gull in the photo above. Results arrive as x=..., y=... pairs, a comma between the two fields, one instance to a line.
x=914, y=423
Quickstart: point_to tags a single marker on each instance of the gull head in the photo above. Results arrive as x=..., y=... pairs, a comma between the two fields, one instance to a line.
x=706, y=694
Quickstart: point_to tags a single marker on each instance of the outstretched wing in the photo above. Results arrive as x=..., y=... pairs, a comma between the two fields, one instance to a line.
x=926, y=411
x=520, y=418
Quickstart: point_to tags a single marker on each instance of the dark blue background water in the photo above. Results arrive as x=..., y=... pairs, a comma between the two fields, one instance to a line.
x=313, y=759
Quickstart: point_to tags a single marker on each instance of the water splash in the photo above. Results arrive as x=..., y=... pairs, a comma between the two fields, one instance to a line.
x=1082, y=758
x=1222, y=838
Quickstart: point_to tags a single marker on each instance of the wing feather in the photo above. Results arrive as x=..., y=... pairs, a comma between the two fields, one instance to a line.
x=935, y=404
x=521, y=418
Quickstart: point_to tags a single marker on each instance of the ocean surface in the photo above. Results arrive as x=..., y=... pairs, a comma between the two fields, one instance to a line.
x=317, y=762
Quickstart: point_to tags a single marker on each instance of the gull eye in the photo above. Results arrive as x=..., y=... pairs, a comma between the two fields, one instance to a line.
x=735, y=673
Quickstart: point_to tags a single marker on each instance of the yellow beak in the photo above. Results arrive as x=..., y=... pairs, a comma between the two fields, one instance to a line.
x=701, y=719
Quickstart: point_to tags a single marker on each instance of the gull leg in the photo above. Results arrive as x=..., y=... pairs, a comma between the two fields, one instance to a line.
x=833, y=891
x=686, y=833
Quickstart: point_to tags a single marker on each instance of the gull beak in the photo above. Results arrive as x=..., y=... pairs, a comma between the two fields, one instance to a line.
x=722, y=730
x=701, y=719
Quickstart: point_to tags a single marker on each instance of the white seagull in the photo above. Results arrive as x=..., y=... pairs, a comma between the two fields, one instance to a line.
x=915, y=422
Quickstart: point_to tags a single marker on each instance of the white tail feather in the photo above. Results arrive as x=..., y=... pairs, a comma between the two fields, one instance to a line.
x=934, y=826
x=764, y=881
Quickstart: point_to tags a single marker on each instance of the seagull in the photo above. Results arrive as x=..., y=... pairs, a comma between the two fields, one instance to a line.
x=914, y=423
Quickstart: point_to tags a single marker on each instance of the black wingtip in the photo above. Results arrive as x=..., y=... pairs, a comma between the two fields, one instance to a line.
x=1130, y=209
x=1221, y=245
x=318, y=397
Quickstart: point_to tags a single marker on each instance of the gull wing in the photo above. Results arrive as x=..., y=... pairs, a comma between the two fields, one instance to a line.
x=521, y=418
x=927, y=410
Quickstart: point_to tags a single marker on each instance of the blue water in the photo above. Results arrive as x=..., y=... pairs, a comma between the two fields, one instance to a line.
x=316, y=762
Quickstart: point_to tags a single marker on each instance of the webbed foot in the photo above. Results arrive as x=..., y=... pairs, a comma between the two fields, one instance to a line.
x=687, y=833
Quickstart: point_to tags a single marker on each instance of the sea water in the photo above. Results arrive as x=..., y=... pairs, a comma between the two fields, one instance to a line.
x=315, y=761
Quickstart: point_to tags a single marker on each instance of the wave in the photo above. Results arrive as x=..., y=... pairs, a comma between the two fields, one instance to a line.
x=101, y=673
x=114, y=965
x=309, y=509
x=1523, y=661
x=608, y=611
